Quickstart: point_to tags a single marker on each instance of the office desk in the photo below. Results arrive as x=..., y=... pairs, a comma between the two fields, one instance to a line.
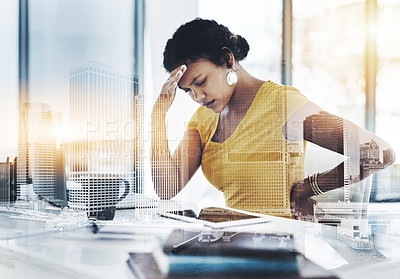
x=76, y=252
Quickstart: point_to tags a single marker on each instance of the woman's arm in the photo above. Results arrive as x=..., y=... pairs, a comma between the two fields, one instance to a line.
x=364, y=153
x=170, y=173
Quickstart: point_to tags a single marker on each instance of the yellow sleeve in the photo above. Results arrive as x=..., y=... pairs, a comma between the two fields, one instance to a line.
x=192, y=125
x=295, y=100
x=203, y=121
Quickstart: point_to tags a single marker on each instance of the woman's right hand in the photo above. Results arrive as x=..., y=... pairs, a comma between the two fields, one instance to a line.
x=168, y=91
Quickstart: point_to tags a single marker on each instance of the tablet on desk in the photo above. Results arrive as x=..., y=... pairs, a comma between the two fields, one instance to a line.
x=217, y=217
x=225, y=254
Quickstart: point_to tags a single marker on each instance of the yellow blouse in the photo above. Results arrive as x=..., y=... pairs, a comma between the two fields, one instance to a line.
x=256, y=166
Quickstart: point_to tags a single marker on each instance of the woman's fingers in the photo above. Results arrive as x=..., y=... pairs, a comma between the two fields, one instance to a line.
x=170, y=87
x=175, y=76
x=168, y=91
x=172, y=90
x=177, y=69
x=177, y=73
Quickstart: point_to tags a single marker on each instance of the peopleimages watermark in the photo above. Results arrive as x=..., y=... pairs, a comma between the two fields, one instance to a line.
x=112, y=130
x=127, y=130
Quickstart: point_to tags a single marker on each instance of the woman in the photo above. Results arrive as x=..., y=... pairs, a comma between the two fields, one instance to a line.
x=248, y=135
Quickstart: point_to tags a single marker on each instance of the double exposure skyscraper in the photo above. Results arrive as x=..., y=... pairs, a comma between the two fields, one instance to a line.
x=341, y=136
x=369, y=151
x=326, y=130
x=8, y=181
x=36, y=151
x=105, y=110
x=5, y=187
x=370, y=158
x=388, y=156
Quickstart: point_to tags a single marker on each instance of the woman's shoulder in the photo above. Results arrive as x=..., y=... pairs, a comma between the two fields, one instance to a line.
x=273, y=90
x=294, y=99
x=278, y=88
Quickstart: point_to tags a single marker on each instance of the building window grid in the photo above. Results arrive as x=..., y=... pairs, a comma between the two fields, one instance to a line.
x=108, y=91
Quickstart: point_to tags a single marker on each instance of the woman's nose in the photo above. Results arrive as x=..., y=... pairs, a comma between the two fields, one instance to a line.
x=198, y=95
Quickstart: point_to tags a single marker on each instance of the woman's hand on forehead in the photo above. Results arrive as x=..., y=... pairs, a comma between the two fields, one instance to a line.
x=176, y=71
x=168, y=91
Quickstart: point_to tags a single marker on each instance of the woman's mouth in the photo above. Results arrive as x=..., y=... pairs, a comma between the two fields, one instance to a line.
x=209, y=104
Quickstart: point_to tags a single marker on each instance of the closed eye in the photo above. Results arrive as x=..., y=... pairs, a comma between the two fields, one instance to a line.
x=201, y=83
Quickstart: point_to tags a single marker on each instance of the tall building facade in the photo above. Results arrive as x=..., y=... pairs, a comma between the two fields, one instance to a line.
x=341, y=136
x=5, y=185
x=36, y=151
x=326, y=130
x=388, y=156
x=104, y=150
x=13, y=180
x=370, y=158
x=369, y=151
x=351, y=170
x=60, y=187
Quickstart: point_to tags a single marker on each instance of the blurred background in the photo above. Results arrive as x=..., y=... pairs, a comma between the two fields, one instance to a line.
x=343, y=55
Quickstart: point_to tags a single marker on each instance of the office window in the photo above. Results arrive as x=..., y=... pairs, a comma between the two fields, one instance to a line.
x=9, y=79
x=8, y=98
x=387, y=98
x=80, y=121
x=328, y=65
x=388, y=51
x=328, y=55
x=260, y=23
x=329, y=68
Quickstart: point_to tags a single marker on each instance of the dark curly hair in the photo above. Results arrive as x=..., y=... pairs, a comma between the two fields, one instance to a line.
x=203, y=39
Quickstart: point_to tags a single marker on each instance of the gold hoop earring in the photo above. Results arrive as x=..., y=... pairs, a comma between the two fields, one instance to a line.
x=231, y=78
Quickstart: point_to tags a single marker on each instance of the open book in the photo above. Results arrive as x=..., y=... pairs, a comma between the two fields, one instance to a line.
x=217, y=217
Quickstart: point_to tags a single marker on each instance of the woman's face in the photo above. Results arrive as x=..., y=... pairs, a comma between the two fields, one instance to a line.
x=206, y=84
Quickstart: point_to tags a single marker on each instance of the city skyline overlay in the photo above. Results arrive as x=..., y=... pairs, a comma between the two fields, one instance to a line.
x=105, y=147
